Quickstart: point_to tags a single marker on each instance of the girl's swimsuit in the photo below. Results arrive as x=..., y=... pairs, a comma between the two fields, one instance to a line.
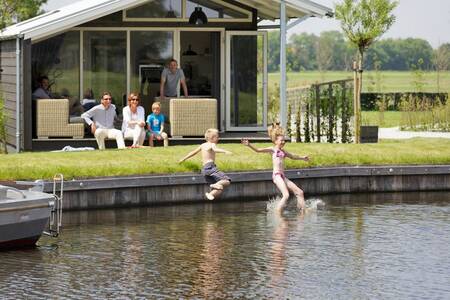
x=278, y=156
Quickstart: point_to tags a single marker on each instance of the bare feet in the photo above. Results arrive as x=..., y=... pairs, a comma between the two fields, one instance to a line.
x=209, y=196
x=301, y=205
x=216, y=186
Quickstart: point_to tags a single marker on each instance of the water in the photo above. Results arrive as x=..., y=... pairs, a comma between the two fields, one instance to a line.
x=388, y=246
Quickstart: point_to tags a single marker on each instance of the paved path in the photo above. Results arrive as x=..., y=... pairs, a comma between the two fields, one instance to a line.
x=396, y=133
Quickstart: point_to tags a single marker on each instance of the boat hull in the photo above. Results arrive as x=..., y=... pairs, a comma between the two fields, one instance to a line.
x=22, y=221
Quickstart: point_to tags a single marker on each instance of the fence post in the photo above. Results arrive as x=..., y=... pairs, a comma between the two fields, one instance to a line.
x=343, y=115
x=317, y=88
x=330, y=113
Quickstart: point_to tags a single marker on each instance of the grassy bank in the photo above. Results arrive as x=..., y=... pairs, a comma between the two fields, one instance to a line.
x=43, y=165
x=391, y=81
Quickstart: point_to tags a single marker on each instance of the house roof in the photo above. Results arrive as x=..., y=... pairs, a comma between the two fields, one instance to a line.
x=84, y=11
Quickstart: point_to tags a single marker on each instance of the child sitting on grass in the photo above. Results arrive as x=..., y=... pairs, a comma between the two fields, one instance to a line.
x=217, y=179
x=278, y=177
x=155, y=125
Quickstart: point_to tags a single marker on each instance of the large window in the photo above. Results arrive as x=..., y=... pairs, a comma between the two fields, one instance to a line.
x=58, y=58
x=104, y=64
x=199, y=59
x=246, y=81
x=150, y=52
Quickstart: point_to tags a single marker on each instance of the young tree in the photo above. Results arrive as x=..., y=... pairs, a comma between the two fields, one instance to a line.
x=441, y=62
x=363, y=22
x=13, y=11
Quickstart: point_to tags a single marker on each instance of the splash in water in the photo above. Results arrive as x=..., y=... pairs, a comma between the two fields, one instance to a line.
x=311, y=204
x=273, y=203
x=315, y=204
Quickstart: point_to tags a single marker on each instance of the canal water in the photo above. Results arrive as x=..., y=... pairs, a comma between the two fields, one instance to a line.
x=375, y=246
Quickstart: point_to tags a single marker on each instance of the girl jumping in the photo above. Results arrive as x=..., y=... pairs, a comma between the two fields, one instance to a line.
x=278, y=177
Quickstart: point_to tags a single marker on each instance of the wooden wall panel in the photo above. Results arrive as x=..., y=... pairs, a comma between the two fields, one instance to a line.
x=8, y=86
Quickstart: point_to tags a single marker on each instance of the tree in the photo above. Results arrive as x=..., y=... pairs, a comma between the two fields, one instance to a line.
x=363, y=22
x=14, y=11
x=441, y=62
x=301, y=55
x=324, y=54
x=273, y=51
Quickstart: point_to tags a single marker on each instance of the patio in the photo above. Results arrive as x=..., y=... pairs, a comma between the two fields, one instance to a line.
x=122, y=47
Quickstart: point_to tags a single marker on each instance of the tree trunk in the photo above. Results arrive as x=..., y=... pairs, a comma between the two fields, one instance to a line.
x=355, y=102
x=357, y=96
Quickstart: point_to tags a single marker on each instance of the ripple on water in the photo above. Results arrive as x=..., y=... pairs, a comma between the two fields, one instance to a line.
x=381, y=248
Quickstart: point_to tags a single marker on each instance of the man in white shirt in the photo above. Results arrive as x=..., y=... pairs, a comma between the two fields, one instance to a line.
x=101, y=120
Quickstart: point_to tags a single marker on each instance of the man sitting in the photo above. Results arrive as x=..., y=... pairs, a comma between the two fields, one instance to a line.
x=43, y=91
x=101, y=120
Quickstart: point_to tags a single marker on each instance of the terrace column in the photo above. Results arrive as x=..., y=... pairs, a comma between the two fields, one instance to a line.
x=283, y=85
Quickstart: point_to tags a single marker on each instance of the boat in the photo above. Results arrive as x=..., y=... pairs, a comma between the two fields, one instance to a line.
x=25, y=215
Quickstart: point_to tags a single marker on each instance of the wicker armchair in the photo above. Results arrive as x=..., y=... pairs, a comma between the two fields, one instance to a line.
x=191, y=116
x=52, y=117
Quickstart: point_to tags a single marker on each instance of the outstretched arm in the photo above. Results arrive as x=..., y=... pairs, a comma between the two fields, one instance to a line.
x=190, y=154
x=219, y=150
x=296, y=157
x=246, y=142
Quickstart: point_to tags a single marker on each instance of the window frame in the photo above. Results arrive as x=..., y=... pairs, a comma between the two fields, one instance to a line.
x=185, y=18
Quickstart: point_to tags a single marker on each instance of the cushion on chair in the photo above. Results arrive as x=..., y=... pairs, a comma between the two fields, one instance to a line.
x=52, y=119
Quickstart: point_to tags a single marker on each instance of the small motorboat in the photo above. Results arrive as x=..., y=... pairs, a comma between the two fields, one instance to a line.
x=25, y=215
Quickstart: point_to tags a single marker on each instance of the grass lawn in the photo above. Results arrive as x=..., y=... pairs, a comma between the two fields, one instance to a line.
x=43, y=165
x=391, y=81
x=383, y=120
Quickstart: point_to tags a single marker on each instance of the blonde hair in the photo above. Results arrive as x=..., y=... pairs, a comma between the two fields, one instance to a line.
x=156, y=104
x=274, y=131
x=210, y=132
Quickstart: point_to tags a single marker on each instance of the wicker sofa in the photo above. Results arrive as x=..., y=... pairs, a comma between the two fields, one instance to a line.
x=52, y=120
x=192, y=116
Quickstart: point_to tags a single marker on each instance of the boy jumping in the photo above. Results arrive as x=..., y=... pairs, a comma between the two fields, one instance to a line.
x=217, y=179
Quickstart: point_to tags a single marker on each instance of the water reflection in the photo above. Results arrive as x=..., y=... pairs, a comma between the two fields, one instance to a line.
x=382, y=246
x=277, y=264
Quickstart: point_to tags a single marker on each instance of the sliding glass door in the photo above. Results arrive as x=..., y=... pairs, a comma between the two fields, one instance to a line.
x=246, y=81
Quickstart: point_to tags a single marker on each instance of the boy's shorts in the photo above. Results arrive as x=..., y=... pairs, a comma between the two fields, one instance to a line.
x=155, y=135
x=212, y=174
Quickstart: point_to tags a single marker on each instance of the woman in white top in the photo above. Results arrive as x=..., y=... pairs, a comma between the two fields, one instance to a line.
x=133, y=125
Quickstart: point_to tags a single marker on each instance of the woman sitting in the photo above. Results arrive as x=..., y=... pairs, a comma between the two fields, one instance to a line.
x=133, y=125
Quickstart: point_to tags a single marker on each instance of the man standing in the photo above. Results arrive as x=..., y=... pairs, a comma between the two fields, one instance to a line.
x=101, y=120
x=169, y=81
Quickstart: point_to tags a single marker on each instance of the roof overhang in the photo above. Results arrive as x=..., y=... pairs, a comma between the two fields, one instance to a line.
x=270, y=9
x=84, y=11
x=67, y=17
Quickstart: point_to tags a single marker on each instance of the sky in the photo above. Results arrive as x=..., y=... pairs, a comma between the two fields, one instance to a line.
x=426, y=19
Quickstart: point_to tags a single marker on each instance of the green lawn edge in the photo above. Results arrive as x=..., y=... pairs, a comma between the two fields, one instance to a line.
x=159, y=160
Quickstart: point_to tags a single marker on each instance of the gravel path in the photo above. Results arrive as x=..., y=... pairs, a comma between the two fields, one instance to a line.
x=396, y=133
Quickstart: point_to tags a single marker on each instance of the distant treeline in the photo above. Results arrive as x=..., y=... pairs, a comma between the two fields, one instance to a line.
x=330, y=51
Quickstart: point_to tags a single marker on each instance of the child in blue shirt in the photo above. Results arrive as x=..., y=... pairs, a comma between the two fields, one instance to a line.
x=155, y=125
